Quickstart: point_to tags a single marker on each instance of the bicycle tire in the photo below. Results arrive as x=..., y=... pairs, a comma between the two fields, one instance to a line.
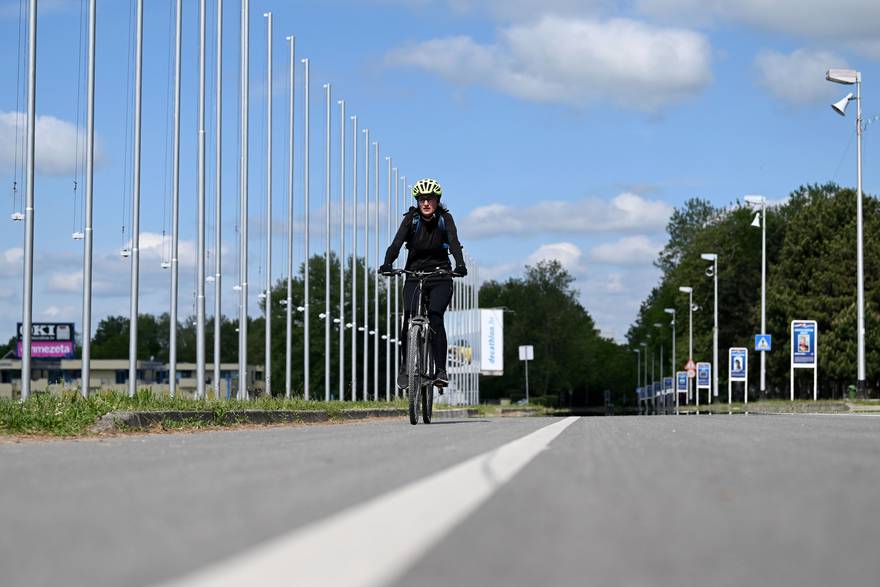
x=428, y=392
x=413, y=360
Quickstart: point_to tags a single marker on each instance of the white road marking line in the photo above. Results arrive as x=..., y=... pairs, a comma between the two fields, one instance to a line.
x=373, y=543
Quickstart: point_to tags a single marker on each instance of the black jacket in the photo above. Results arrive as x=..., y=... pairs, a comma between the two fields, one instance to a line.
x=425, y=245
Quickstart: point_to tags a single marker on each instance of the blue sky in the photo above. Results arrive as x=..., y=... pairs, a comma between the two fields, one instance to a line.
x=559, y=129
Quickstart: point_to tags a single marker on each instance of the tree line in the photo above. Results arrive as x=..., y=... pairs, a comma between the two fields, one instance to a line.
x=574, y=365
x=811, y=275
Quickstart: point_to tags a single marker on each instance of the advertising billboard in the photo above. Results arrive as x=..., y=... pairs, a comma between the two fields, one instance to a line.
x=803, y=343
x=49, y=340
x=704, y=375
x=681, y=381
x=492, y=341
x=738, y=364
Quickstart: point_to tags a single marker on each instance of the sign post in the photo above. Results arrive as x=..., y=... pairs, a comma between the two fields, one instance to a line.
x=805, y=352
x=704, y=380
x=667, y=393
x=526, y=354
x=681, y=385
x=738, y=371
x=691, y=370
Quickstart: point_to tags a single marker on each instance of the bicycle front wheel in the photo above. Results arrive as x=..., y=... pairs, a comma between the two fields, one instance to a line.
x=413, y=366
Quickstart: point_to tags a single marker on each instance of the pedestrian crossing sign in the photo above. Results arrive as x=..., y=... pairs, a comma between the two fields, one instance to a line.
x=763, y=343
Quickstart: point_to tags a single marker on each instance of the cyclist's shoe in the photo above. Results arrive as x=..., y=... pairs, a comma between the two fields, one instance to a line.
x=441, y=380
x=402, y=379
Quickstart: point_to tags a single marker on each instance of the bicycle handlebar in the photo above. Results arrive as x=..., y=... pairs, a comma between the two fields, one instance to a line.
x=422, y=274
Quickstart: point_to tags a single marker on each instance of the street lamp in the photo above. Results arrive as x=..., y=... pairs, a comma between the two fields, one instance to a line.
x=671, y=311
x=645, y=375
x=850, y=77
x=760, y=221
x=638, y=353
x=690, y=291
x=662, y=387
x=712, y=271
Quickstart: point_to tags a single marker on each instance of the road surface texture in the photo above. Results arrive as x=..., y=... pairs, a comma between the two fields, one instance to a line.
x=628, y=501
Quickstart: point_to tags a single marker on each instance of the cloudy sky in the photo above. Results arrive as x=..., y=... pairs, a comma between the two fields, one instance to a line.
x=565, y=129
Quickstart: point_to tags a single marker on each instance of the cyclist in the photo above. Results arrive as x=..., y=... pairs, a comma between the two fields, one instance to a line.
x=430, y=236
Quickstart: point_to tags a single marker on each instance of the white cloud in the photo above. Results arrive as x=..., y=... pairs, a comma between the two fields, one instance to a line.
x=816, y=19
x=625, y=212
x=633, y=250
x=11, y=262
x=575, y=61
x=568, y=255
x=511, y=9
x=797, y=77
x=55, y=147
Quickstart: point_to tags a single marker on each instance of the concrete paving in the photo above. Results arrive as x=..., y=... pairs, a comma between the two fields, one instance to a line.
x=690, y=500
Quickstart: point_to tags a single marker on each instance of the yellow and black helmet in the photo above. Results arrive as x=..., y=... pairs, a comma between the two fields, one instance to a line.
x=427, y=187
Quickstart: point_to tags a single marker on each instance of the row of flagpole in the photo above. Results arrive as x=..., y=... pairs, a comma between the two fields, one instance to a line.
x=396, y=190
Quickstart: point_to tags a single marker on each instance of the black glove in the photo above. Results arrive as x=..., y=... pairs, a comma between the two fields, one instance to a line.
x=386, y=269
x=460, y=271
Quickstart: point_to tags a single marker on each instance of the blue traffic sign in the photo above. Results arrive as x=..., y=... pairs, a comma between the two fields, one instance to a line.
x=667, y=384
x=763, y=343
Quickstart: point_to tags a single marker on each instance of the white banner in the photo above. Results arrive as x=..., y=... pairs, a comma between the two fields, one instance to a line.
x=492, y=341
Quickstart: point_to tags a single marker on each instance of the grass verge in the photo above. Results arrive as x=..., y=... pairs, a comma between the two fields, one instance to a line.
x=72, y=415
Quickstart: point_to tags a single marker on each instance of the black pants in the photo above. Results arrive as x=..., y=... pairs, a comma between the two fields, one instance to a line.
x=439, y=294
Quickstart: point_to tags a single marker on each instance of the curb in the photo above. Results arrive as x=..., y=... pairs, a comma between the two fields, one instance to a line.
x=139, y=421
x=115, y=421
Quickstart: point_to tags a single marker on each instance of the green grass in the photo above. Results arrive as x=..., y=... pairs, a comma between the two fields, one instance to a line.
x=781, y=406
x=71, y=415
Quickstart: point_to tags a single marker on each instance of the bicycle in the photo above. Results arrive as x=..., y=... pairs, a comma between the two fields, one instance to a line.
x=419, y=359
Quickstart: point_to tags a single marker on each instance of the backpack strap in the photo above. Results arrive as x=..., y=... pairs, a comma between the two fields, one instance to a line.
x=441, y=224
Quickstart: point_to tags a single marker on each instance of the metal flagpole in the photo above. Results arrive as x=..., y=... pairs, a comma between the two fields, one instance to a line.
x=267, y=300
x=395, y=333
x=243, y=205
x=306, y=253
x=327, y=318
x=218, y=216
x=341, y=394
x=388, y=291
x=354, y=257
x=175, y=210
x=136, y=206
x=366, y=327
x=200, y=255
x=28, y=285
x=288, y=359
x=90, y=173
x=376, y=276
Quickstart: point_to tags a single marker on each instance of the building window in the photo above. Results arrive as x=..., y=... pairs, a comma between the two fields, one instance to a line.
x=121, y=376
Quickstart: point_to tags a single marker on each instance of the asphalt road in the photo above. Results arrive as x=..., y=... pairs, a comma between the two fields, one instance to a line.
x=630, y=501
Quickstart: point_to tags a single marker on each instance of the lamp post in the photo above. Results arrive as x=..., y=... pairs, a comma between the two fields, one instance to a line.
x=638, y=353
x=850, y=77
x=671, y=311
x=712, y=271
x=645, y=373
x=690, y=292
x=662, y=387
x=760, y=202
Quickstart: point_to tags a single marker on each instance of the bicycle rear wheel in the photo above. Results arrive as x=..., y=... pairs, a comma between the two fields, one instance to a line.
x=414, y=379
